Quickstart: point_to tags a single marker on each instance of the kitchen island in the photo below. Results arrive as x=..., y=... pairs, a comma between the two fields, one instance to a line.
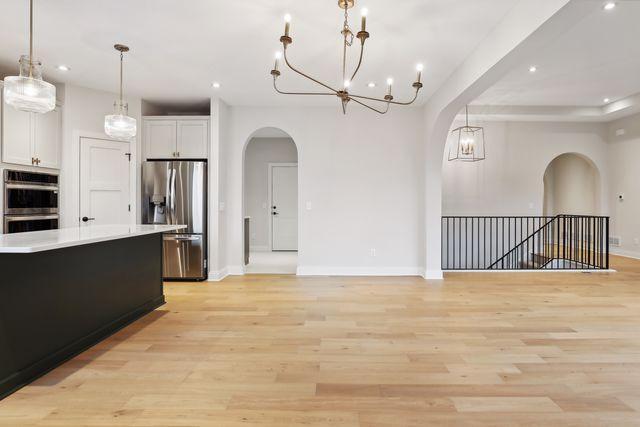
x=62, y=291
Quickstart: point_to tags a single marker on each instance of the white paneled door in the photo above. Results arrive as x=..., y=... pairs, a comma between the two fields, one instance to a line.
x=284, y=207
x=104, y=182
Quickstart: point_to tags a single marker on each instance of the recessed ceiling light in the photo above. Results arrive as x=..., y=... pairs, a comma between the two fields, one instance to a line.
x=610, y=5
x=606, y=100
x=215, y=85
x=371, y=85
x=63, y=68
x=533, y=69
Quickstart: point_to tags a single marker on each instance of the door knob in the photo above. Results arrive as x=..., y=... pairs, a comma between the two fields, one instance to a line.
x=274, y=213
x=87, y=219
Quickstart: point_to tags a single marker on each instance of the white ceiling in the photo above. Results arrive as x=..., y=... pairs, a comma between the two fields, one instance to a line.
x=180, y=47
x=598, y=58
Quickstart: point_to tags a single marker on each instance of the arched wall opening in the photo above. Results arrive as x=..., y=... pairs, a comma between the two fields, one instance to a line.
x=571, y=186
x=270, y=195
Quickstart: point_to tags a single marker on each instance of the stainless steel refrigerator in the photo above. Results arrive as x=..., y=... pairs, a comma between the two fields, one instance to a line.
x=175, y=192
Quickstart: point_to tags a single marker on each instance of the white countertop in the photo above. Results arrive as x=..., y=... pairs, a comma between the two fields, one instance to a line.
x=38, y=241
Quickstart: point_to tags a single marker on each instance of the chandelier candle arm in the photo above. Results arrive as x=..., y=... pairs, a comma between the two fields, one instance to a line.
x=370, y=107
x=286, y=60
x=275, y=86
x=353, y=76
x=390, y=101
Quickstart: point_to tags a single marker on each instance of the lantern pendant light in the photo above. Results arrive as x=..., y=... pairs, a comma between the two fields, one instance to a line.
x=119, y=125
x=28, y=92
x=468, y=144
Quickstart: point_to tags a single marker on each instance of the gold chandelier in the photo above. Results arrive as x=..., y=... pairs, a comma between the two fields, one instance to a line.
x=343, y=94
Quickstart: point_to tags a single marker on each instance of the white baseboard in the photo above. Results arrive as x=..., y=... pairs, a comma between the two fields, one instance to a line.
x=217, y=276
x=625, y=253
x=260, y=249
x=433, y=275
x=236, y=270
x=359, y=271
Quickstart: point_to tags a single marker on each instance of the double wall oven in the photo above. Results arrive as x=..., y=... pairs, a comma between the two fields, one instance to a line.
x=30, y=201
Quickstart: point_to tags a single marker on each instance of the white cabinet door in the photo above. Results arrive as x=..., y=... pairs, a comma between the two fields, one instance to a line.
x=160, y=139
x=47, y=139
x=16, y=136
x=193, y=137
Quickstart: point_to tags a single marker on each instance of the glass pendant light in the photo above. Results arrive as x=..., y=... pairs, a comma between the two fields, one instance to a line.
x=468, y=144
x=28, y=92
x=119, y=125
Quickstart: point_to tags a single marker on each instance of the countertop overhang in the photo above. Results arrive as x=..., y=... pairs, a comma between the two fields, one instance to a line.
x=39, y=241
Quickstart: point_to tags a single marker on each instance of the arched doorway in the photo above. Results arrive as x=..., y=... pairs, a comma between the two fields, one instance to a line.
x=571, y=186
x=270, y=203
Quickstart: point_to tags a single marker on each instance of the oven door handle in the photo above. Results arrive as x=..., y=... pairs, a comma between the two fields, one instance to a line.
x=31, y=187
x=9, y=218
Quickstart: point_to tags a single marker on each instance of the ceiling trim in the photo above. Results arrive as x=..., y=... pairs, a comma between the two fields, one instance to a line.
x=603, y=114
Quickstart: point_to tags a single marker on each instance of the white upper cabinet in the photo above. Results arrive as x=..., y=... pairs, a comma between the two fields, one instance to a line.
x=171, y=137
x=160, y=138
x=193, y=136
x=31, y=139
x=46, y=139
x=17, y=132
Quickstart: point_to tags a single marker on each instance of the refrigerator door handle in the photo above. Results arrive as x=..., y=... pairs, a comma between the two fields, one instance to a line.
x=172, y=190
x=168, y=197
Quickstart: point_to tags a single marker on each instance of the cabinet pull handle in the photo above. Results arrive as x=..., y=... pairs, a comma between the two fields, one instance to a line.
x=33, y=161
x=178, y=154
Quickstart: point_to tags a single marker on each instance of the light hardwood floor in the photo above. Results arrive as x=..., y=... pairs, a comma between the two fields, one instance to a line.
x=549, y=349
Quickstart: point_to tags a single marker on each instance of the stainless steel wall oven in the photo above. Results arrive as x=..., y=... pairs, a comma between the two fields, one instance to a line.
x=30, y=201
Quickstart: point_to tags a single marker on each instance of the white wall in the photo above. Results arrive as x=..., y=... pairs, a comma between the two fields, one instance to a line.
x=571, y=186
x=218, y=266
x=362, y=175
x=258, y=154
x=511, y=180
x=83, y=115
x=624, y=158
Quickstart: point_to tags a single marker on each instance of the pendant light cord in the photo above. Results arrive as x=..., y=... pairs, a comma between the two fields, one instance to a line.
x=121, y=60
x=30, y=38
x=466, y=108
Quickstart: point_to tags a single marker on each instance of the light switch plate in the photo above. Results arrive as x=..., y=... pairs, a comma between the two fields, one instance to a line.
x=308, y=206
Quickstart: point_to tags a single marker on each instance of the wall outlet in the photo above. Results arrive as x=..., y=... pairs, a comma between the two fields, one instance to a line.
x=636, y=241
x=308, y=205
x=373, y=252
x=264, y=205
x=620, y=132
x=221, y=207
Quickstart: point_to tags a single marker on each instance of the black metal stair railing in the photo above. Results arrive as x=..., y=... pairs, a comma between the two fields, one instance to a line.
x=562, y=242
